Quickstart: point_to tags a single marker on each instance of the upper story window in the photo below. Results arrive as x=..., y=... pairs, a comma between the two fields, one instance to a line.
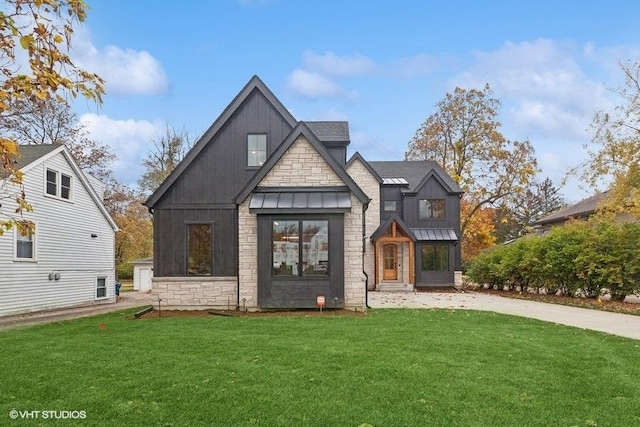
x=256, y=149
x=58, y=184
x=390, y=205
x=433, y=209
x=25, y=244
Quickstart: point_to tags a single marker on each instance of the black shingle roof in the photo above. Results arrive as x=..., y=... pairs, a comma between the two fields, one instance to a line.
x=414, y=172
x=581, y=209
x=330, y=131
x=31, y=153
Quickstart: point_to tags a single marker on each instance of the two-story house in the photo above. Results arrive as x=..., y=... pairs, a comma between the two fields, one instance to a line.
x=67, y=258
x=266, y=212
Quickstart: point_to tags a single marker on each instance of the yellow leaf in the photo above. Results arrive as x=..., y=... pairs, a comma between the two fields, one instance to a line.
x=57, y=38
x=42, y=95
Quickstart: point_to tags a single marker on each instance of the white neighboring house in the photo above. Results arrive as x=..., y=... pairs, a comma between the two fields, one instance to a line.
x=69, y=259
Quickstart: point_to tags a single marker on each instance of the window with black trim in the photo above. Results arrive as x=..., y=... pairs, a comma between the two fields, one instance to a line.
x=58, y=184
x=300, y=248
x=199, y=250
x=435, y=257
x=390, y=205
x=256, y=149
x=433, y=209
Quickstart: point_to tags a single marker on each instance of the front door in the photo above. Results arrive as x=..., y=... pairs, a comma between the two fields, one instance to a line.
x=390, y=255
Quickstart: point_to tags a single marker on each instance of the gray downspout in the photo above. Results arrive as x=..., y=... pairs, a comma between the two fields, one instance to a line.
x=364, y=248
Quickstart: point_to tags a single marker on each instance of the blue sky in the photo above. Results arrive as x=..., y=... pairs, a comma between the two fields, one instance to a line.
x=381, y=65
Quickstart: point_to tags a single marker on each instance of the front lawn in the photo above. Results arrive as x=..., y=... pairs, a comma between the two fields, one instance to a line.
x=389, y=368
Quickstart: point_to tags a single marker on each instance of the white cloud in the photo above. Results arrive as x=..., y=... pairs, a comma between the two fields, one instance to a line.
x=330, y=64
x=130, y=140
x=125, y=71
x=314, y=85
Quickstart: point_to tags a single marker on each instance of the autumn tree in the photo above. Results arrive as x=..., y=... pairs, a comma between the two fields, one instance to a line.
x=480, y=232
x=46, y=121
x=42, y=30
x=168, y=150
x=614, y=152
x=464, y=137
x=516, y=218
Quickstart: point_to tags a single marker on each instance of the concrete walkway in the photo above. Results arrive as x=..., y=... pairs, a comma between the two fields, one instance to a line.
x=624, y=325
x=129, y=300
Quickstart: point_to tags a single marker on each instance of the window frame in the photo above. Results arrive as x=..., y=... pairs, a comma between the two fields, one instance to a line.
x=429, y=214
x=436, y=262
x=57, y=183
x=105, y=287
x=302, y=258
x=257, y=164
x=395, y=206
x=188, y=224
x=34, y=245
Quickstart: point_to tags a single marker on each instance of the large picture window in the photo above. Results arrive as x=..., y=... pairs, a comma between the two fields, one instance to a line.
x=256, y=149
x=300, y=247
x=435, y=257
x=433, y=209
x=199, y=253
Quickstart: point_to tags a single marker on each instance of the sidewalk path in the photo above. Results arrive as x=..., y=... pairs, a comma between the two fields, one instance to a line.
x=129, y=300
x=624, y=325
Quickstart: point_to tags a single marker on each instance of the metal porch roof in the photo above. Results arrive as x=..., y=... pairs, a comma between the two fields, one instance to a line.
x=424, y=234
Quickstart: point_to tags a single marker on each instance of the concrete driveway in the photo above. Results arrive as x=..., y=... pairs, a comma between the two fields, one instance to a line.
x=624, y=325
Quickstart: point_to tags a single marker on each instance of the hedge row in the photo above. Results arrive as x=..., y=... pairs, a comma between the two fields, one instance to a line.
x=579, y=257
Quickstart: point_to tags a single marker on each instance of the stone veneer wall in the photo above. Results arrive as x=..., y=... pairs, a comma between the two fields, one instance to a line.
x=302, y=166
x=370, y=185
x=195, y=293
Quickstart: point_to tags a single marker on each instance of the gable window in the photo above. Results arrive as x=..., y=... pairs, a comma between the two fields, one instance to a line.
x=25, y=244
x=390, y=205
x=300, y=248
x=101, y=287
x=256, y=149
x=199, y=250
x=58, y=184
x=432, y=209
x=435, y=257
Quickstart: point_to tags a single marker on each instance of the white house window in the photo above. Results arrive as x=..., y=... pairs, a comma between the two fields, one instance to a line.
x=25, y=244
x=58, y=184
x=256, y=149
x=101, y=287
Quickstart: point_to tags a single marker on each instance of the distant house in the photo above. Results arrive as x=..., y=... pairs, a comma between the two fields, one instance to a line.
x=581, y=210
x=68, y=259
x=266, y=212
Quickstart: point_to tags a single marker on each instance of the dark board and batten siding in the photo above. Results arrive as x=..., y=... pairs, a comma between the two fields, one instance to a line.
x=204, y=192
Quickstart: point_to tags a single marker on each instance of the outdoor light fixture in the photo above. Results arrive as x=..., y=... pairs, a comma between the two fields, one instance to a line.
x=93, y=235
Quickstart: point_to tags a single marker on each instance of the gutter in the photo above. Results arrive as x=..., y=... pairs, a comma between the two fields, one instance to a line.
x=364, y=250
x=237, y=259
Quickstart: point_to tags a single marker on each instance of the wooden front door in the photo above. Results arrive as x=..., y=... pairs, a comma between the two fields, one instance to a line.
x=390, y=264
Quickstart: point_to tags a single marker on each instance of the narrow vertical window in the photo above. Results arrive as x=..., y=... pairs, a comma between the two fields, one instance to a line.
x=65, y=186
x=199, y=251
x=315, y=249
x=101, y=287
x=25, y=243
x=286, y=238
x=256, y=149
x=52, y=182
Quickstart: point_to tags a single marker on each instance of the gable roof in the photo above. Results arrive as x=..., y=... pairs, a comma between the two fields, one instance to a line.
x=33, y=155
x=301, y=129
x=583, y=208
x=416, y=172
x=387, y=223
x=358, y=156
x=254, y=84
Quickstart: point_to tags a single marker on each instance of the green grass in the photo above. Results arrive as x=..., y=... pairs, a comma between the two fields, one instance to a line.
x=390, y=368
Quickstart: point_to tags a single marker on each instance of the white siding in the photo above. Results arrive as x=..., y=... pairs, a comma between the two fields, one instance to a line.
x=63, y=244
